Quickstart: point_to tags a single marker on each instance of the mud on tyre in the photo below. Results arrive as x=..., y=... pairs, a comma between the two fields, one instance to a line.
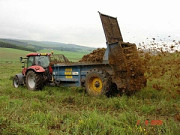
x=34, y=81
x=97, y=82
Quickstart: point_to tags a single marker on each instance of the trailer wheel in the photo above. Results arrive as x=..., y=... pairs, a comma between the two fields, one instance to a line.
x=97, y=82
x=34, y=81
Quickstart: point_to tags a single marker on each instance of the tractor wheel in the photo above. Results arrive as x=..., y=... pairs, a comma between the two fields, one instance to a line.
x=97, y=82
x=16, y=82
x=34, y=81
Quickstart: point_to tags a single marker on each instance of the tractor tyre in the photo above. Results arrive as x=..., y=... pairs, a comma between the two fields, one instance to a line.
x=16, y=82
x=97, y=82
x=34, y=81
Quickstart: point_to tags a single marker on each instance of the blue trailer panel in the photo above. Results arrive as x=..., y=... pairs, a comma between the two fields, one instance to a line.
x=74, y=74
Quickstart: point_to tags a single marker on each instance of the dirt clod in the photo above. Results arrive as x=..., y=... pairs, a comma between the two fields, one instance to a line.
x=177, y=117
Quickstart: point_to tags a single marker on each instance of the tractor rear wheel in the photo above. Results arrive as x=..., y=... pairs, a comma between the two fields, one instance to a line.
x=97, y=82
x=34, y=81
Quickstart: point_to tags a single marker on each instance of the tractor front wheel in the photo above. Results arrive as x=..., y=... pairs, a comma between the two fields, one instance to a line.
x=34, y=81
x=16, y=82
x=97, y=82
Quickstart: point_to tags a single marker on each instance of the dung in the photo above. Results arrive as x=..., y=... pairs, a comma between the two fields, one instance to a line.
x=96, y=56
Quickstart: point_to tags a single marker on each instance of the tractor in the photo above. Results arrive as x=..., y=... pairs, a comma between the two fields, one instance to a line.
x=36, y=71
x=121, y=68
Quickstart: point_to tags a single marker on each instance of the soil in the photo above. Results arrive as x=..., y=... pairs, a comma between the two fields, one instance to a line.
x=95, y=56
x=177, y=117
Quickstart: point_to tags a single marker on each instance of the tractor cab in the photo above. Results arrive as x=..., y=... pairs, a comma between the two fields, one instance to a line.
x=41, y=59
x=36, y=61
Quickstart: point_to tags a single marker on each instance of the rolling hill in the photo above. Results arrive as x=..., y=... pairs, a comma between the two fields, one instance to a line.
x=40, y=45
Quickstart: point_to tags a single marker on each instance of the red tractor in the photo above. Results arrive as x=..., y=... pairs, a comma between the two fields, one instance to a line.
x=36, y=71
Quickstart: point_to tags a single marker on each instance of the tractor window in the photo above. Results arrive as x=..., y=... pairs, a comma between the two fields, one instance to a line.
x=42, y=61
x=30, y=61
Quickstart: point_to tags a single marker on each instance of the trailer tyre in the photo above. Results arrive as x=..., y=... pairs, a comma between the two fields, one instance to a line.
x=34, y=81
x=97, y=82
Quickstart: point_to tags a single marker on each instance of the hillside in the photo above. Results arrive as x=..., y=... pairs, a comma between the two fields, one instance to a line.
x=39, y=45
x=15, y=46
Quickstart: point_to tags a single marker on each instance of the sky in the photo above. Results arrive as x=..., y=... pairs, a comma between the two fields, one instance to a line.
x=78, y=21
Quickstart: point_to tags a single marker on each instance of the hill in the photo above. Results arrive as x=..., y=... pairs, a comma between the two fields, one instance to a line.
x=39, y=45
x=11, y=45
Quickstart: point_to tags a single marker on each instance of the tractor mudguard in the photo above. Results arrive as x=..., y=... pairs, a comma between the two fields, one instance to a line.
x=21, y=78
x=36, y=68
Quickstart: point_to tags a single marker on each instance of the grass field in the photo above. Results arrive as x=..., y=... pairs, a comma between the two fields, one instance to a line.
x=57, y=110
x=8, y=54
x=73, y=56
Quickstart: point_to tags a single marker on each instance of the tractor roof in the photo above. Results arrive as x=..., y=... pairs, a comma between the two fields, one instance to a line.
x=38, y=54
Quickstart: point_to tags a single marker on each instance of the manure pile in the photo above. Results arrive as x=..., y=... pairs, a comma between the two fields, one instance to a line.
x=95, y=56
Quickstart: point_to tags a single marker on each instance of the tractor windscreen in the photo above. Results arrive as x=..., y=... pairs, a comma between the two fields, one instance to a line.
x=42, y=61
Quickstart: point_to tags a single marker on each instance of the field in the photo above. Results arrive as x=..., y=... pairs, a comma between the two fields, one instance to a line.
x=59, y=110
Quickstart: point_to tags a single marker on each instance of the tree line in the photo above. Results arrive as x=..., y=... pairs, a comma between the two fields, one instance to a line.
x=8, y=45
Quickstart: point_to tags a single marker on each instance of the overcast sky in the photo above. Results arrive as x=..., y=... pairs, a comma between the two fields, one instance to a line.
x=78, y=22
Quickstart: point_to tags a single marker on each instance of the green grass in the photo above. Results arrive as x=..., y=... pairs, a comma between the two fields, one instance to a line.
x=58, y=110
x=73, y=56
x=11, y=55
